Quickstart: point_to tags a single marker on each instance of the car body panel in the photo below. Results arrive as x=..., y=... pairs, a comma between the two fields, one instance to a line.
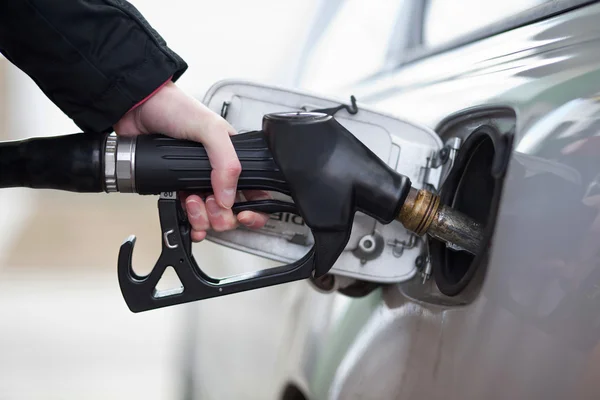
x=533, y=330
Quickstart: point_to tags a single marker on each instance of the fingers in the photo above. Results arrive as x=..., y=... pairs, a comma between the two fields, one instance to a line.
x=197, y=216
x=251, y=219
x=196, y=211
x=226, y=166
x=208, y=214
x=220, y=219
x=205, y=215
x=198, y=236
x=224, y=182
x=253, y=195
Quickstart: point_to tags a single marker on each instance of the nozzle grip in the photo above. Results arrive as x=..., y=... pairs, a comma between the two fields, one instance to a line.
x=166, y=164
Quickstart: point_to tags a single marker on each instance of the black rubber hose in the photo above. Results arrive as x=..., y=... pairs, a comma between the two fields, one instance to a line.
x=71, y=162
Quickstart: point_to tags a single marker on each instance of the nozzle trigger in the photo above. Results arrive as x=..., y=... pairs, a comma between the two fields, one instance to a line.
x=140, y=292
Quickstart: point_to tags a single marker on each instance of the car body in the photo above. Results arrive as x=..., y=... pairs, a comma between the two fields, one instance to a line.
x=526, y=324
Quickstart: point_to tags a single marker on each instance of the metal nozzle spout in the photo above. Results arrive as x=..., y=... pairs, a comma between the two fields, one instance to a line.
x=422, y=213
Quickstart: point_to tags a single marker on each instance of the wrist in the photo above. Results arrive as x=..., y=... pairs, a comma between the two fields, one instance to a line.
x=129, y=123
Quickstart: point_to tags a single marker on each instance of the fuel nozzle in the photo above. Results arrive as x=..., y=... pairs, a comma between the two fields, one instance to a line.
x=423, y=213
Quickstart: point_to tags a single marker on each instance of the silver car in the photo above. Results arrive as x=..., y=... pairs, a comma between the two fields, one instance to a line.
x=494, y=105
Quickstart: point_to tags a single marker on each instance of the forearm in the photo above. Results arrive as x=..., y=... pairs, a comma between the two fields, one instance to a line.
x=95, y=59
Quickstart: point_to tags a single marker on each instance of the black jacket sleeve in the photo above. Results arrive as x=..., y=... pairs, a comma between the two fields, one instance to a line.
x=94, y=59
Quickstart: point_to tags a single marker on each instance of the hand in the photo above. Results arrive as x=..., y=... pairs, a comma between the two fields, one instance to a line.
x=172, y=112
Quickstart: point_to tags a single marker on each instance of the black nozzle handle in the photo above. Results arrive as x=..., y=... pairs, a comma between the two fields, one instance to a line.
x=145, y=164
x=332, y=175
x=164, y=164
x=71, y=162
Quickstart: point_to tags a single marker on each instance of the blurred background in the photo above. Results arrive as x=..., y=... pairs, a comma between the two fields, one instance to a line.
x=65, y=331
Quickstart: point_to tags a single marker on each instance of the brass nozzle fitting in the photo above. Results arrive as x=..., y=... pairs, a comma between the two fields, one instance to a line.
x=422, y=212
x=419, y=210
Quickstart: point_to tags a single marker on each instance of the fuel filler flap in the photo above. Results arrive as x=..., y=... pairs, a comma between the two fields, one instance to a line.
x=375, y=252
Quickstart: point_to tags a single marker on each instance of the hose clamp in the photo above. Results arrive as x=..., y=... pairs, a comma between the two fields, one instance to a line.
x=110, y=160
x=125, y=164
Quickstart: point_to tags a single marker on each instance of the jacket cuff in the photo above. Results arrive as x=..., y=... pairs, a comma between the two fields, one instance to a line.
x=130, y=89
x=150, y=95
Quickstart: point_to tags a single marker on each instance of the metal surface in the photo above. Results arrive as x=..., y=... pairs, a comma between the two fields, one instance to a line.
x=369, y=247
x=422, y=214
x=166, y=239
x=453, y=146
x=110, y=160
x=419, y=211
x=125, y=165
x=456, y=230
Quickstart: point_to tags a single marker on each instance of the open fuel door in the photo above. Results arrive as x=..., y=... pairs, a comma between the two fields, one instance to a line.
x=375, y=252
